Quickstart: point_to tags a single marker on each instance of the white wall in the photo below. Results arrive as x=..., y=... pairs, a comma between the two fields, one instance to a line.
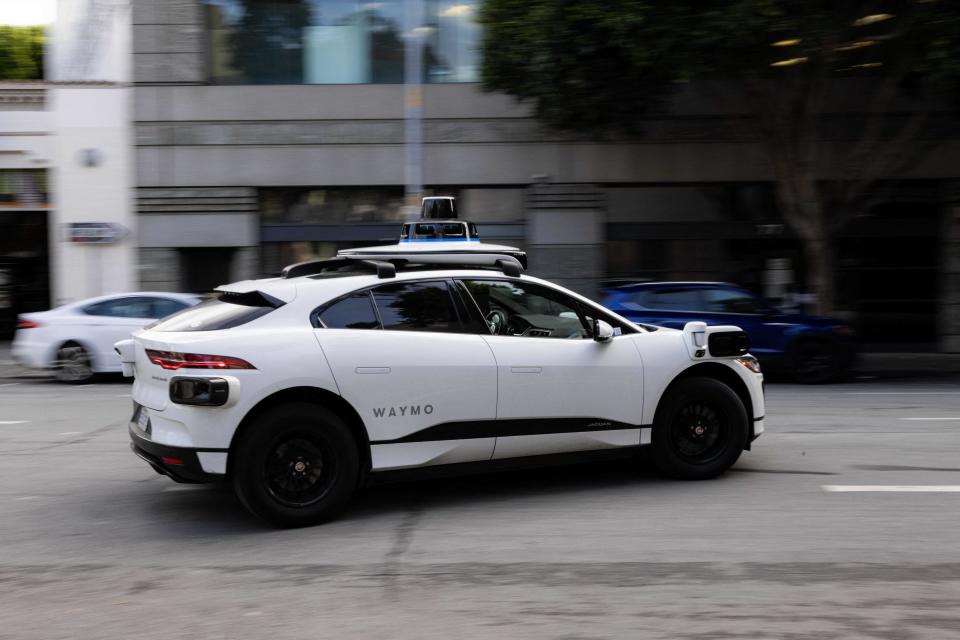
x=92, y=118
x=91, y=44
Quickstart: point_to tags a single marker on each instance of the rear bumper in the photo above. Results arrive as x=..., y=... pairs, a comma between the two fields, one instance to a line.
x=32, y=355
x=179, y=463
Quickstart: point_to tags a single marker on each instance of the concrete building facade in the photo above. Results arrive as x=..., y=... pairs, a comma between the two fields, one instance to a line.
x=247, y=160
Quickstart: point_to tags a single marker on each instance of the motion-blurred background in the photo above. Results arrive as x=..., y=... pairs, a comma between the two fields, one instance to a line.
x=806, y=151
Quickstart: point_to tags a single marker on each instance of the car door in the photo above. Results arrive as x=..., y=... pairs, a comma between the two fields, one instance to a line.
x=558, y=389
x=424, y=383
x=109, y=321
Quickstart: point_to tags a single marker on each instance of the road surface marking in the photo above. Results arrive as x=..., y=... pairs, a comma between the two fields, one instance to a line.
x=71, y=433
x=9, y=384
x=933, y=418
x=900, y=393
x=891, y=488
x=13, y=421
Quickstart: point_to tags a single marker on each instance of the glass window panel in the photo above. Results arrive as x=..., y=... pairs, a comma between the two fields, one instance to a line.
x=355, y=312
x=335, y=41
x=730, y=301
x=673, y=300
x=416, y=306
x=163, y=307
x=331, y=206
x=521, y=309
x=133, y=307
x=450, y=53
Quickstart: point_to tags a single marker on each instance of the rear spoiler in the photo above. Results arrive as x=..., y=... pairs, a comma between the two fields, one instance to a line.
x=271, y=292
x=251, y=299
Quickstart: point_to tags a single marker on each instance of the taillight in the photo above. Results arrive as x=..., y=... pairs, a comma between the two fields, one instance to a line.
x=174, y=360
x=27, y=324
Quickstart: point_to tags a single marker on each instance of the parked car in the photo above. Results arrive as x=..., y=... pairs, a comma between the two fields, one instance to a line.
x=76, y=340
x=811, y=349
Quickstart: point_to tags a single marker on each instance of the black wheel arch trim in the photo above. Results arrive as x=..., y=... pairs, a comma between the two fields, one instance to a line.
x=725, y=375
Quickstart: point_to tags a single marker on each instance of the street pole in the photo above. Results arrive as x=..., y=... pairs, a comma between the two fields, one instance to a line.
x=413, y=107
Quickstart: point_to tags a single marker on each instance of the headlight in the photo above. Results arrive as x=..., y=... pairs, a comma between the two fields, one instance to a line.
x=750, y=363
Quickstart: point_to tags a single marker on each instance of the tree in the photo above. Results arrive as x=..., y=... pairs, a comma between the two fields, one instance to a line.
x=598, y=66
x=21, y=53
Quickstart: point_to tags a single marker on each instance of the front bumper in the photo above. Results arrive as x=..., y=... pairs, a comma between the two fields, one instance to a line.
x=179, y=463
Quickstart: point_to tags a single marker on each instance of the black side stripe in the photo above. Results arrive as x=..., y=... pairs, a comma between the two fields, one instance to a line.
x=467, y=429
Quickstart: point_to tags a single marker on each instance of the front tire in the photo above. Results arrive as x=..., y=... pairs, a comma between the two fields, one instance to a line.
x=700, y=429
x=296, y=466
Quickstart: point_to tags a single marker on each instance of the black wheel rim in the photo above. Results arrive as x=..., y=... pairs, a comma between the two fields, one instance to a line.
x=299, y=470
x=698, y=433
x=73, y=364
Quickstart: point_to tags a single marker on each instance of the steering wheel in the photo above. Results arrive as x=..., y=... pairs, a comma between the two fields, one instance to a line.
x=496, y=321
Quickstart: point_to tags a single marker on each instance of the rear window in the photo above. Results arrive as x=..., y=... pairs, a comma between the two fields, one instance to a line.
x=223, y=312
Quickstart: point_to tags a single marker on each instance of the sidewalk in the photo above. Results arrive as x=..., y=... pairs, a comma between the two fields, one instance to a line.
x=869, y=365
x=908, y=365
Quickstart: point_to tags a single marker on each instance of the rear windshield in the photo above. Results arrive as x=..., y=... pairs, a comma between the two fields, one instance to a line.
x=214, y=314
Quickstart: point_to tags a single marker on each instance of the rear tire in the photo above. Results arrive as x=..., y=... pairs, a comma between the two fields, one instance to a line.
x=700, y=429
x=73, y=364
x=296, y=466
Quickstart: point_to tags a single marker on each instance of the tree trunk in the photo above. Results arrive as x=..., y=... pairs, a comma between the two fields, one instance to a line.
x=821, y=279
x=803, y=209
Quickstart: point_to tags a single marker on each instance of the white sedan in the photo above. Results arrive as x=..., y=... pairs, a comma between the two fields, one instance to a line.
x=76, y=340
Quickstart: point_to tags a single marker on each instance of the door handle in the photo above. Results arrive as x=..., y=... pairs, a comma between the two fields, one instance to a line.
x=526, y=369
x=363, y=370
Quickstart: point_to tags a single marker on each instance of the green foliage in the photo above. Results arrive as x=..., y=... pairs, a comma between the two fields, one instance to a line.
x=595, y=65
x=21, y=53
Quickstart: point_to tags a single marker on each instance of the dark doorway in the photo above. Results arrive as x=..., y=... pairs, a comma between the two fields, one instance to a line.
x=202, y=269
x=24, y=266
x=889, y=268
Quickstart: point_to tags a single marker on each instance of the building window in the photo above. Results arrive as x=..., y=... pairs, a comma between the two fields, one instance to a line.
x=317, y=205
x=335, y=41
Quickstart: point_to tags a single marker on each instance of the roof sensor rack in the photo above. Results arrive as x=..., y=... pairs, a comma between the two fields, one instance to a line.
x=386, y=265
x=313, y=267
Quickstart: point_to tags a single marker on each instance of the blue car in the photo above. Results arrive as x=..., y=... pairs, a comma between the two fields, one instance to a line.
x=811, y=349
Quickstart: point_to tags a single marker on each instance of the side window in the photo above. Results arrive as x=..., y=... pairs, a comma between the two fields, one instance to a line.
x=355, y=312
x=163, y=307
x=521, y=309
x=637, y=301
x=416, y=306
x=129, y=307
x=730, y=301
x=674, y=300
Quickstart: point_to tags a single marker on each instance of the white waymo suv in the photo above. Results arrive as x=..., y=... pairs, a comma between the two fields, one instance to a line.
x=299, y=389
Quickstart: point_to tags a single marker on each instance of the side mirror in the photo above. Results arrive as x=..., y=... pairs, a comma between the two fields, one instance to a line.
x=602, y=331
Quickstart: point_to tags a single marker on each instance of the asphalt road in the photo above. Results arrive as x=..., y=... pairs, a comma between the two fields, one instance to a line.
x=93, y=544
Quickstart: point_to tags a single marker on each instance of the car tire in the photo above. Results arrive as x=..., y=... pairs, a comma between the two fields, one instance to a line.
x=813, y=362
x=73, y=364
x=297, y=465
x=699, y=431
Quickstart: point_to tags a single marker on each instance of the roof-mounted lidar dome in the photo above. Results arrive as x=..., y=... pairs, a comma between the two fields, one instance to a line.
x=438, y=231
x=438, y=208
